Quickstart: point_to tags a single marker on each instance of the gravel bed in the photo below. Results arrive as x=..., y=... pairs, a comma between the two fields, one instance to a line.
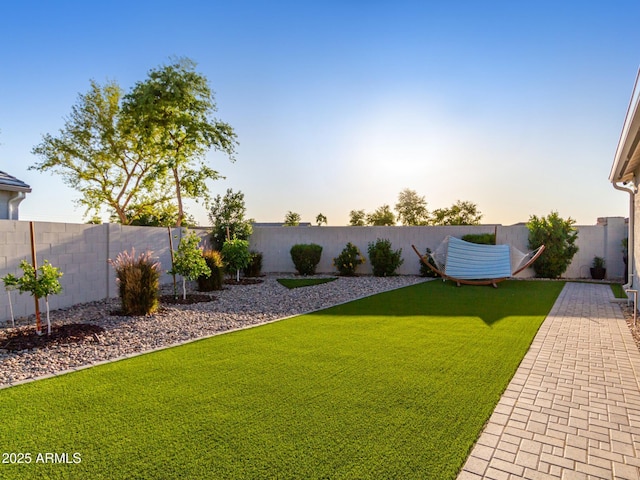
x=236, y=306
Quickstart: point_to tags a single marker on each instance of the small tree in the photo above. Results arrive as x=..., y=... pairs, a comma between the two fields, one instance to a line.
x=236, y=255
x=559, y=237
x=292, y=219
x=40, y=283
x=10, y=283
x=321, y=219
x=188, y=260
x=228, y=217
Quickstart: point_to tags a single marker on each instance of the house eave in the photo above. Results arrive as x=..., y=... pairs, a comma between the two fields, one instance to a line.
x=15, y=188
x=627, y=157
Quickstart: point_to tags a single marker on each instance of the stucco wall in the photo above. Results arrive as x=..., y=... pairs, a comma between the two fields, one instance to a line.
x=602, y=240
x=81, y=251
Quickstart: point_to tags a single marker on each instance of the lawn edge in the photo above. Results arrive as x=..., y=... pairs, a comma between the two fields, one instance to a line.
x=192, y=340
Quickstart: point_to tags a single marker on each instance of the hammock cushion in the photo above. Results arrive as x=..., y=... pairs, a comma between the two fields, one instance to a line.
x=472, y=261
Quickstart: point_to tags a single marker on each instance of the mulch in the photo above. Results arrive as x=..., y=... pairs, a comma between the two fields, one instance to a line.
x=27, y=338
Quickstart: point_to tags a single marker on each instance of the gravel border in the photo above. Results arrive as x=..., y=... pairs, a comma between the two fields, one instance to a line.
x=233, y=308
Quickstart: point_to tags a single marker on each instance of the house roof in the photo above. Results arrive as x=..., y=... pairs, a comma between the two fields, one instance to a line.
x=627, y=159
x=8, y=182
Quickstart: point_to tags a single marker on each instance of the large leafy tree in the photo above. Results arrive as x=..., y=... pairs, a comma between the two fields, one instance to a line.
x=228, y=217
x=133, y=154
x=382, y=216
x=411, y=208
x=172, y=110
x=460, y=213
x=96, y=154
x=357, y=218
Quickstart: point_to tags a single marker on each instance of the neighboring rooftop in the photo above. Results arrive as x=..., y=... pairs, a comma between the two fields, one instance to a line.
x=8, y=182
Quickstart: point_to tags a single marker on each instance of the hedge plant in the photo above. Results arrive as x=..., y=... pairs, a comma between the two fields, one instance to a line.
x=306, y=257
x=559, y=237
x=348, y=260
x=480, y=238
x=254, y=268
x=384, y=260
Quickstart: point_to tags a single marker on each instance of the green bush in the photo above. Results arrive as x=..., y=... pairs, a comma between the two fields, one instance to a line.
x=348, y=260
x=306, y=257
x=254, y=269
x=559, y=237
x=384, y=261
x=426, y=271
x=481, y=238
x=213, y=259
x=138, y=282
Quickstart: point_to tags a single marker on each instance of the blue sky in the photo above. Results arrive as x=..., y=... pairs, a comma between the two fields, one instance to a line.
x=339, y=105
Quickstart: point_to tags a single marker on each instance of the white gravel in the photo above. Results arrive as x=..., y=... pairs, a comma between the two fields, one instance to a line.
x=232, y=308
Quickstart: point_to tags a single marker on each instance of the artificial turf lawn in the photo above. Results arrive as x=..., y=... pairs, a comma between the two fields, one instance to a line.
x=303, y=282
x=618, y=291
x=397, y=385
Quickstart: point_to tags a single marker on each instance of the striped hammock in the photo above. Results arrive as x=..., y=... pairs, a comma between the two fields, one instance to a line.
x=473, y=263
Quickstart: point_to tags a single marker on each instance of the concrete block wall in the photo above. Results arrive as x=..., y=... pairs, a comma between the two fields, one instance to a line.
x=602, y=240
x=82, y=251
x=79, y=251
x=276, y=242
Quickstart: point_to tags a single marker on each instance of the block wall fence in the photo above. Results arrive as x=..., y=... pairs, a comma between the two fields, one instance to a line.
x=82, y=251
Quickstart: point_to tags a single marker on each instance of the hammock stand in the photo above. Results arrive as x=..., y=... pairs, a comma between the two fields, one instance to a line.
x=473, y=264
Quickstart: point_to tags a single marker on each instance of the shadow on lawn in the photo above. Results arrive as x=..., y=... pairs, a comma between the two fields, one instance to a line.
x=442, y=299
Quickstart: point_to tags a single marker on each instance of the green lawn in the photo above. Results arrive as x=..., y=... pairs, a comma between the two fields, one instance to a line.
x=397, y=385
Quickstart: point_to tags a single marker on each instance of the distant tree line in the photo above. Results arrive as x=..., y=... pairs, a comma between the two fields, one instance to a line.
x=411, y=210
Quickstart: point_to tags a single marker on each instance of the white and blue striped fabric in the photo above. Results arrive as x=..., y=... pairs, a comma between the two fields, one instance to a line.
x=471, y=261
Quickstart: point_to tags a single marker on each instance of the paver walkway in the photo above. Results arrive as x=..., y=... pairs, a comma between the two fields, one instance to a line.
x=572, y=410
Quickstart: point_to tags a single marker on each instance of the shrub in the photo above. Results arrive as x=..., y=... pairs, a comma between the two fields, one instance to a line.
x=481, y=238
x=254, y=269
x=348, y=260
x=384, y=261
x=236, y=255
x=138, y=282
x=426, y=271
x=559, y=237
x=214, y=281
x=306, y=257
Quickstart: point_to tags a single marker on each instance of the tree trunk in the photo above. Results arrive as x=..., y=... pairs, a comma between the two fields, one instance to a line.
x=176, y=177
x=46, y=302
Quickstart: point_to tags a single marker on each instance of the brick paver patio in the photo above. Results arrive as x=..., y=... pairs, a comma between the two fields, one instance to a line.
x=572, y=411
